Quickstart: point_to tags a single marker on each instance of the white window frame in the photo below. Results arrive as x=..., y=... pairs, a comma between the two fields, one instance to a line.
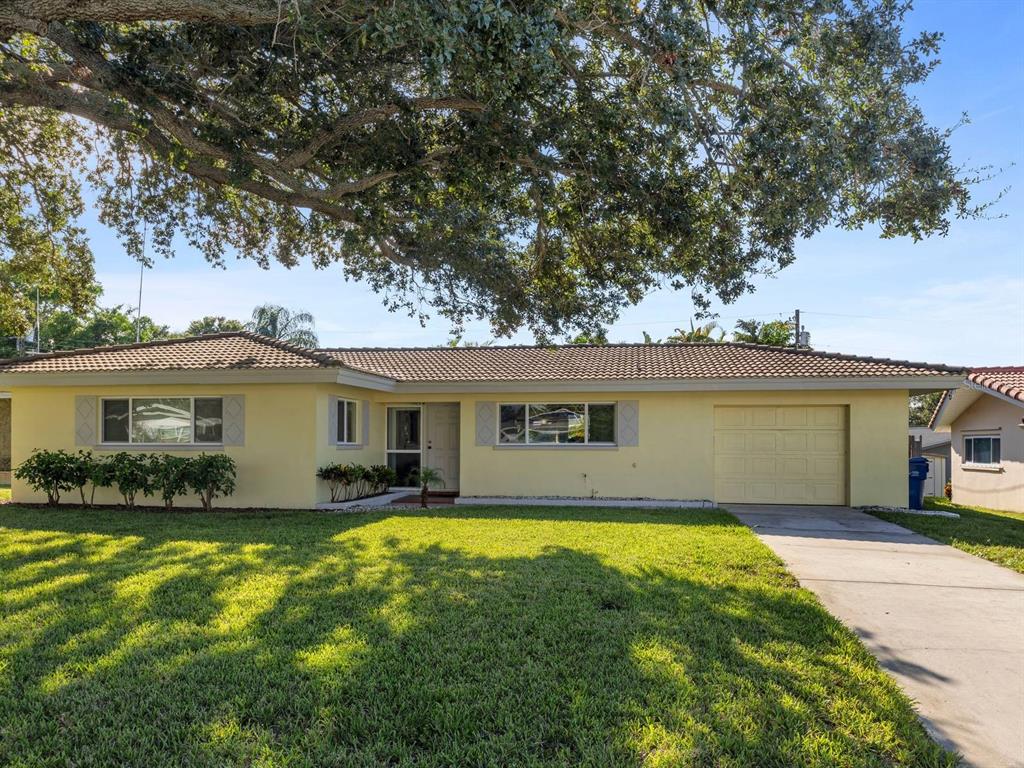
x=192, y=428
x=342, y=416
x=387, y=437
x=972, y=464
x=586, y=419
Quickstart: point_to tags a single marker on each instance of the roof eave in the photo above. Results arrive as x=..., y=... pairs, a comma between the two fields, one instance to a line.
x=913, y=383
x=296, y=375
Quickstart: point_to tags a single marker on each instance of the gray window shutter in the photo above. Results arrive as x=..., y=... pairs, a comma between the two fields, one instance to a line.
x=365, y=416
x=627, y=427
x=486, y=423
x=332, y=420
x=86, y=420
x=234, y=419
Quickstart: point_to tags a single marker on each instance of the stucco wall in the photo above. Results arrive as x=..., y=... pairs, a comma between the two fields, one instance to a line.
x=287, y=439
x=5, y=434
x=276, y=465
x=1002, y=489
x=675, y=457
x=365, y=454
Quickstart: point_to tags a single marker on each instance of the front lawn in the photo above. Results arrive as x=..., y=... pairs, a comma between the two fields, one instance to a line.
x=988, y=533
x=501, y=637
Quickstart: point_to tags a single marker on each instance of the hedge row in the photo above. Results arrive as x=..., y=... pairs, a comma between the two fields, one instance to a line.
x=354, y=481
x=208, y=475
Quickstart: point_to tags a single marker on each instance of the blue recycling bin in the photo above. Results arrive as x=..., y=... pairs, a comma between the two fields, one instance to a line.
x=918, y=473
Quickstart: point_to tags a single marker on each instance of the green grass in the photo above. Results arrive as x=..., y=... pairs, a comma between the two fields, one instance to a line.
x=988, y=533
x=498, y=636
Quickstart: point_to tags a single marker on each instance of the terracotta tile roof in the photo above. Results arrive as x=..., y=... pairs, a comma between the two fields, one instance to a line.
x=243, y=350
x=620, y=361
x=232, y=350
x=1007, y=380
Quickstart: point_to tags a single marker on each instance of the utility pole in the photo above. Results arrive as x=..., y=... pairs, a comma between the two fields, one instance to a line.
x=38, y=347
x=138, y=313
x=796, y=331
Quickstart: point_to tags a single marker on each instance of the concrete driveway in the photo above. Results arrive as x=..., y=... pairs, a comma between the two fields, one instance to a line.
x=948, y=626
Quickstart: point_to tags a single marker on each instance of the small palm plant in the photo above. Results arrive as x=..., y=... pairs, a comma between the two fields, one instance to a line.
x=424, y=477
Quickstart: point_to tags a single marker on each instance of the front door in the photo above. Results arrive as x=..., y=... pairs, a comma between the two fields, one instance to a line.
x=443, y=442
x=404, y=446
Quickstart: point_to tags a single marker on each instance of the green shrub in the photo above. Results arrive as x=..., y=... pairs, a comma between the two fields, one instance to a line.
x=382, y=477
x=359, y=480
x=80, y=467
x=336, y=477
x=211, y=475
x=49, y=471
x=168, y=476
x=101, y=475
x=354, y=481
x=130, y=473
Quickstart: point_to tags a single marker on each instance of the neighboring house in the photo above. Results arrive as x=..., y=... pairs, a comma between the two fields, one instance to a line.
x=708, y=421
x=5, y=438
x=985, y=420
x=934, y=446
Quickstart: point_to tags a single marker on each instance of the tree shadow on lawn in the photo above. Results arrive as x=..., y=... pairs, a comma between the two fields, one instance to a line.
x=397, y=652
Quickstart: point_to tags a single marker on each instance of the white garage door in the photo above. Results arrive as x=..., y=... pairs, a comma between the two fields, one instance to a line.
x=781, y=454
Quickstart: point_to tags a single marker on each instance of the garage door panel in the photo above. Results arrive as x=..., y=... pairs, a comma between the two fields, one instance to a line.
x=828, y=417
x=762, y=442
x=828, y=442
x=731, y=417
x=794, y=442
x=794, y=467
x=733, y=442
x=781, y=454
x=827, y=468
x=762, y=490
x=791, y=416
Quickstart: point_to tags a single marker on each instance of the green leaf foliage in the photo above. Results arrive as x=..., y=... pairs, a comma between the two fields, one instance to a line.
x=49, y=471
x=130, y=473
x=777, y=333
x=169, y=476
x=539, y=165
x=210, y=475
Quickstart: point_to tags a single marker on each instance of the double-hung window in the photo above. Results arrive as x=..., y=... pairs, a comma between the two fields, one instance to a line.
x=162, y=420
x=346, y=422
x=556, y=424
x=982, y=450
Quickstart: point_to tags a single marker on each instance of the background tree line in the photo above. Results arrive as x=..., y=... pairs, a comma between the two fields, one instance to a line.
x=63, y=328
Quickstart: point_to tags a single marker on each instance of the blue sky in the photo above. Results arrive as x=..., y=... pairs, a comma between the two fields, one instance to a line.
x=958, y=299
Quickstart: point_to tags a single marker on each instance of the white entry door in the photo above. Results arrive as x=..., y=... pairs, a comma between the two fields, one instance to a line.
x=443, y=442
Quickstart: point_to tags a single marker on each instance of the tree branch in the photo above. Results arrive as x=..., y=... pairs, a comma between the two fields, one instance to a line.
x=39, y=13
x=664, y=60
x=347, y=123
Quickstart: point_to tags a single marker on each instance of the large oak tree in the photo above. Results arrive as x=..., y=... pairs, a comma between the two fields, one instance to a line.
x=538, y=163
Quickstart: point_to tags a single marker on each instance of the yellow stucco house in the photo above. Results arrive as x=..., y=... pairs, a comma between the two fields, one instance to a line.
x=985, y=419
x=712, y=423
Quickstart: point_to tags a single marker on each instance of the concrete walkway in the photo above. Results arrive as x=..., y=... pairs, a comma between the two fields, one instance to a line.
x=948, y=626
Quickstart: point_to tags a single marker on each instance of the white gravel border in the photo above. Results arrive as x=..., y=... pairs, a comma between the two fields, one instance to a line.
x=373, y=502
x=908, y=511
